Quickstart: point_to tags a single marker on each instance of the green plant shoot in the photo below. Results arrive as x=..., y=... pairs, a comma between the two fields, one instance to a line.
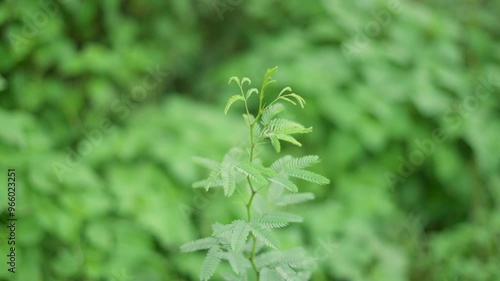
x=249, y=244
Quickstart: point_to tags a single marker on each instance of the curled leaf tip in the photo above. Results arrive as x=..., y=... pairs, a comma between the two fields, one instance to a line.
x=234, y=78
x=246, y=79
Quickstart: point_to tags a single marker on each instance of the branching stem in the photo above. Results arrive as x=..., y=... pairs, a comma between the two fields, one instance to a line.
x=253, y=193
x=253, y=144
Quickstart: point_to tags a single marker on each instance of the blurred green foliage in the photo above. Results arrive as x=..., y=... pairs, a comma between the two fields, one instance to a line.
x=103, y=153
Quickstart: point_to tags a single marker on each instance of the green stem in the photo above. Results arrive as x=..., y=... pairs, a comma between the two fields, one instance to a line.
x=254, y=246
x=250, y=201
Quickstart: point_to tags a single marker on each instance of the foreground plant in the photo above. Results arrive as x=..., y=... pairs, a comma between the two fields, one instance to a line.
x=245, y=243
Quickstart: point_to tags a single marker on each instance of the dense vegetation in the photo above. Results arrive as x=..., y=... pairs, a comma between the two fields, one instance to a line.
x=104, y=104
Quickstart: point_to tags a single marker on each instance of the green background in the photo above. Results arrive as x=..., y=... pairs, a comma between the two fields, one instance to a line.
x=104, y=179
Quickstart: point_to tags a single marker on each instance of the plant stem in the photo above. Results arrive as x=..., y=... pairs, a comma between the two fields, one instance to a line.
x=250, y=201
x=254, y=246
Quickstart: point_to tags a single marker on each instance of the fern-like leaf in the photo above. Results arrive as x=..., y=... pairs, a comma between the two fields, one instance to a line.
x=228, y=178
x=210, y=264
x=294, y=198
x=286, y=183
x=308, y=176
x=238, y=262
x=200, y=244
x=299, y=99
x=207, y=163
x=279, y=165
x=271, y=111
x=253, y=171
x=267, y=80
x=290, y=257
x=275, y=142
x=265, y=235
x=288, y=100
x=275, y=192
x=232, y=100
x=274, y=224
x=230, y=276
x=210, y=182
x=257, y=130
x=267, y=77
x=287, y=273
x=287, y=127
x=268, y=274
x=220, y=230
x=250, y=92
x=287, y=162
x=240, y=235
x=303, y=162
x=248, y=118
x=259, y=246
x=246, y=79
x=278, y=219
x=266, y=171
x=268, y=259
x=296, y=258
x=235, y=79
x=289, y=139
x=286, y=89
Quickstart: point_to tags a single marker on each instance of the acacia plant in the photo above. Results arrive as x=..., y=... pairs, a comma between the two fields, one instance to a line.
x=248, y=244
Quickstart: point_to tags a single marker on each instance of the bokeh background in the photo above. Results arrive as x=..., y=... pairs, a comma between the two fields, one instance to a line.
x=104, y=104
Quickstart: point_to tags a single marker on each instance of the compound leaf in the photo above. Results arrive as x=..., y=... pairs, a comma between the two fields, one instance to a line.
x=290, y=257
x=308, y=176
x=207, y=163
x=287, y=162
x=240, y=235
x=268, y=259
x=254, y=171
x=210, y=264
x=286, y=273
x=288, y=100
x=267, y=274
x=267, y=77
x=234, y=78
x=210, y=182
x=275, y=142
x=265, y=235
x=286, y=183
x=278, y=219
x=286, y=89
x=294, y=198
x=251, y=91
x=289, y=139
x=271, y=111
x=299, y=99
x=238, y=262
x=225, y=229
x=232, y=100
x=200, y=244
x=230, y=276
x=245, y=79
x=279, y=165
x=228, y=178
x=287, y=127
